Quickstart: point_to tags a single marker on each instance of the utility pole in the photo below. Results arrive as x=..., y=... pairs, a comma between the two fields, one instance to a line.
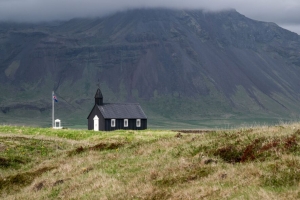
x=52, y=108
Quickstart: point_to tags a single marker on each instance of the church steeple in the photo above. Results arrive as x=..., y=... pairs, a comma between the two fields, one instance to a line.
x=98, y=97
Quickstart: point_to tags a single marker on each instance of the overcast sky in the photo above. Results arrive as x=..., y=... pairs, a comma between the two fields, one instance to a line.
x=285, y=13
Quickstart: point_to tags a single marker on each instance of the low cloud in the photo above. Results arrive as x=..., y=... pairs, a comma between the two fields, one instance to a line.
x=278, y=11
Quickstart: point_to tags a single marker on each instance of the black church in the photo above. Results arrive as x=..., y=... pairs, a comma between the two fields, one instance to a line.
x=113, y=116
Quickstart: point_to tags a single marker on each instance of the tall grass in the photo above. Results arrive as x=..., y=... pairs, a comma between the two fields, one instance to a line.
x=75, y=134
x=244, y=163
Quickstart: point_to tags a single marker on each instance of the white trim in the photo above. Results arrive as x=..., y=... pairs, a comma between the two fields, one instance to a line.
x=138, y=122
x=125, y=122
x=113, y=122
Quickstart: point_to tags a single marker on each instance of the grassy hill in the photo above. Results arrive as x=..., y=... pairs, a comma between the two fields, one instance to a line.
x=245, y=163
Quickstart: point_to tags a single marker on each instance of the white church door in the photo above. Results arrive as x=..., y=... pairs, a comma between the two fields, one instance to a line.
x=96, y=123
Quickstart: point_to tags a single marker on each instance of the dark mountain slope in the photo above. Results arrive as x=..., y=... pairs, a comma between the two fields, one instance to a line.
x=178, y=64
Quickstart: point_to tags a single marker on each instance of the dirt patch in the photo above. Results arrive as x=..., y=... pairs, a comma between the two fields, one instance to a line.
x=97, y=147
x=79, y=150
x=16, y=182
x=178, y=135
x=87, y=170
x=4, y=162
x=207, y=161
x=2, y=147
x=58, y=182
x=193, y=131
x=251, y=150
x=193, y=172
x=229, y=154
x=104, y=146
x=258, y=149
x=39, y=186
x=290, y=142
x=271, y=145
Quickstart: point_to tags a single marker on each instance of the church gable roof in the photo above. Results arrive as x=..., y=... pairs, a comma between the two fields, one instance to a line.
x=122, y=111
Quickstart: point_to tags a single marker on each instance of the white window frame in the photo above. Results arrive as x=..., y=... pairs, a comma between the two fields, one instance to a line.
x=125, y=122
x=138, y=122
x=113, y=122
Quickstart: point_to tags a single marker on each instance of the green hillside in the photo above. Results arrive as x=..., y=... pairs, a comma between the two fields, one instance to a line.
x=245, y=163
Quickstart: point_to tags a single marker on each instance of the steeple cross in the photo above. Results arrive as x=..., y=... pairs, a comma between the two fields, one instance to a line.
x=98, y=84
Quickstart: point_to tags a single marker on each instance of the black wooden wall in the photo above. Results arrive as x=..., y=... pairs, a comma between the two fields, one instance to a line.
x=120, y=125
x=105, y=124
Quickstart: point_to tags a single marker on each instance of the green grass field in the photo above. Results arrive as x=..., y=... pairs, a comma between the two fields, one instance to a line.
x=246, y=163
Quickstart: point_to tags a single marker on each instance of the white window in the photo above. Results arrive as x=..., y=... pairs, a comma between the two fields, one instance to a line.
x=113, y=123
x=138, y=123
x=125, y=122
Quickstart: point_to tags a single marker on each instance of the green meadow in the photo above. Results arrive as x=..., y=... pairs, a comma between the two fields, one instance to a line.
x=258, y=162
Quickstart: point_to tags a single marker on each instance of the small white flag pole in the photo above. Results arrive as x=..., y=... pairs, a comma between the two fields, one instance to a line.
x=52, y=108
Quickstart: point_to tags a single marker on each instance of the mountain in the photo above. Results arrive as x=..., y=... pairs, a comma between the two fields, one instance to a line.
x=182, y=66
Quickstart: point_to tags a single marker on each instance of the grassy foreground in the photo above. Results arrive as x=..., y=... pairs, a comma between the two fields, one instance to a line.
x=246, y=163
